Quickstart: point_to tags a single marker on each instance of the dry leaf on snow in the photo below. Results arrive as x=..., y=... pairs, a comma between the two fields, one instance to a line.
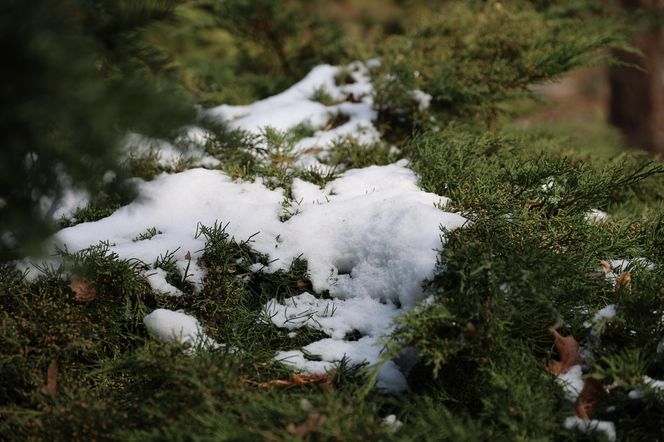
x=83, y=290
x=303, y=285
x=624, y=280
x=568, y=349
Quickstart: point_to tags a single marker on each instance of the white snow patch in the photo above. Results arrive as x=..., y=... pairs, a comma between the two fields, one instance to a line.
x=423, y=99
x=334, y=317
x=167, y=155
x=606, y=313
x=370, y=243
x=287, y=109
x=370, y=237
x=601, y=319
x=636, y=394
x=392, y=423
x=653, y=383
x=296, y=106
x=607, y=427
x=650, y=382
x=597, y=215
x=70, y=202
x=176, y=326
x=157, y=280
x=66, y=202
x=572, y=382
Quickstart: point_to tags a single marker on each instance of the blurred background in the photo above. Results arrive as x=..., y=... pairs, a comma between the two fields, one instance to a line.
x=612, y=106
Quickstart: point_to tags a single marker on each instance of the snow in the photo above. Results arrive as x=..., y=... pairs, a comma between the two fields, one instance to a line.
x=597, y=215
x=391, y=422
x=176, y=326
x=296, y=106
x=605, y=313
x=287, y=109
x=601, y=318
x=591, y=425
x=572, y=382
x=334, y=317
x=654, y=384
x=67, y=202
x=423, y=99
x=188, y=147
x=370, y=237
x=157, y=280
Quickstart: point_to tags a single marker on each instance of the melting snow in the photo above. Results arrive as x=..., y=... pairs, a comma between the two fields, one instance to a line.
x=607, y=427
x=572, y=382
x=296, y=106
x=370, y=237
x=176, y=326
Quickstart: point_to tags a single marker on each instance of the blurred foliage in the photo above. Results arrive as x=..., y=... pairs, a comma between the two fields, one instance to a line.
x=473, y=57
x=239, y=51
x=79, y=76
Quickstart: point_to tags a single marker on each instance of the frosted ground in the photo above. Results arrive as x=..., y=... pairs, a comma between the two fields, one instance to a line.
x=370, y=237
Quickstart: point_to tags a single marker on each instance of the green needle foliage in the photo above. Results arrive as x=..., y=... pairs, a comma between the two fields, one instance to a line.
x=529, y=259
x=472, y=57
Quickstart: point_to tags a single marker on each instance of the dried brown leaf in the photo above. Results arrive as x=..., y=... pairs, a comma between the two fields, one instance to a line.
x=83, y=290
x=593, y=391
x=471, y=330
x=606, y=267
x=52, y=377
x=303, y=285
x=568, y=349
x=312, y=150
x=311, y=425
x=624, y=280
x=324, y=380
x=351, y=98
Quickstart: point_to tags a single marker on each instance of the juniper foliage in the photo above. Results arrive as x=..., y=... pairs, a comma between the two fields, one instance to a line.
x=527, y=261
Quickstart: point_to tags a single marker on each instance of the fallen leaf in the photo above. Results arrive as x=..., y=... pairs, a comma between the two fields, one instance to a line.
x=624, y=280
x=471, y=330
x=52, y=377
x=324, y=380
x=351, y=98
x=83, y=290
x=311, y=425
x=303, y=285
x=593, y=391
x=606, y=267
x=312, y=150
x=568, y=349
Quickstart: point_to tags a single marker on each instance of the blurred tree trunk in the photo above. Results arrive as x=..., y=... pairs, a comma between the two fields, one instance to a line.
x=637, y=96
